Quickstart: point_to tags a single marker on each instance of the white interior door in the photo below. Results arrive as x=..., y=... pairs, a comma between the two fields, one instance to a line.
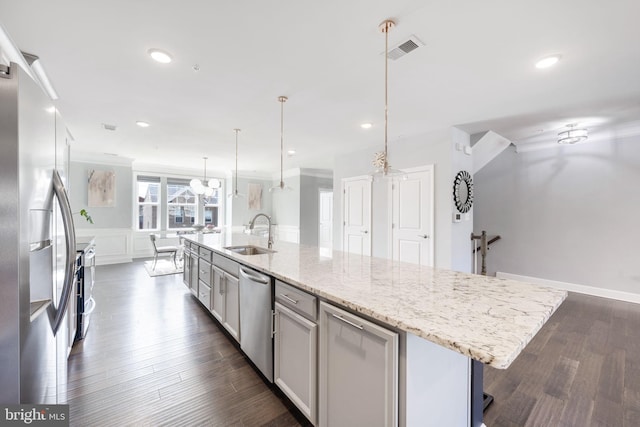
x=412, y=226
x=325, y=232
x=357, y=215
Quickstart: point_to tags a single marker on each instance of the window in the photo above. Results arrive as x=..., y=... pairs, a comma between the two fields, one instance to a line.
x=148, y=202
x=212, y=208
x=182, y=204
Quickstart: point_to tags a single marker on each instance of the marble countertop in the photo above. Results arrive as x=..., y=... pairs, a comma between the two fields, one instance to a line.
x=487, y=319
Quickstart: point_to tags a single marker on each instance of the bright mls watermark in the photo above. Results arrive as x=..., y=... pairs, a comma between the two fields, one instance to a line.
x=34, y=415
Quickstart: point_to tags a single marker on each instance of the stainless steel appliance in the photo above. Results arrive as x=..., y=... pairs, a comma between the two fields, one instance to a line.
x=256, y=319
x=86, y=279
x=37, y=249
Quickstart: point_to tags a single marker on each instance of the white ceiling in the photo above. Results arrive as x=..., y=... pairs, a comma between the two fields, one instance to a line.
x=476, y=71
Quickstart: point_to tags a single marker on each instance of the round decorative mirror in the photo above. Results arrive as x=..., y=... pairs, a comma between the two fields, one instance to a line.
x=463, y=191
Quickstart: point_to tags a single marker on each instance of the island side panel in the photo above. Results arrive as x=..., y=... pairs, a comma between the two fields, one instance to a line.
x=437, y=385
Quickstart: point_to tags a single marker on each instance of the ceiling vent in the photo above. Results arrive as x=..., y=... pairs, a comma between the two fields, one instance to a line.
x=405, y=47
x=109, y=127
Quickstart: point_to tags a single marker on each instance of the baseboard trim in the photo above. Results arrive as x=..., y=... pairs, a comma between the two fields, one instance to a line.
x=113, y=259
x=573, y=287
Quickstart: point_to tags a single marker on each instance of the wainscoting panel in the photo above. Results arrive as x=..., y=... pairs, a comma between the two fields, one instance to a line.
x=113, y=245
x=287, y=233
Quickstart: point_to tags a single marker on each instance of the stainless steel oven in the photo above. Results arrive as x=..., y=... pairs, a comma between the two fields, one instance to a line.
x=86, y=279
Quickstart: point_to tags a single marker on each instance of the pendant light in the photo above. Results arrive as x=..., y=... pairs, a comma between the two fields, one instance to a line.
x=198, y=186
x=281, y=186
x=381, y=159
x=572, y=135
x=235, y=193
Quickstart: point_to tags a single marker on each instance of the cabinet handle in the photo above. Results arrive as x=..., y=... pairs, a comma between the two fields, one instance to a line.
x=273, y=323
x=355, y=325
x=424, y=236
x=288, y=298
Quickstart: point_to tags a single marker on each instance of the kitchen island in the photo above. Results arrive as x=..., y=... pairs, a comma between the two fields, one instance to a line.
x=468, y=317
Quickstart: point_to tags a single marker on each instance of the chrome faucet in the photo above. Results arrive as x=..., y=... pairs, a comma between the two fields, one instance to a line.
x=252, y=223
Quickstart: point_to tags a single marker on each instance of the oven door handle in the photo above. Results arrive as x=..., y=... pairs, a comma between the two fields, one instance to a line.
x=92, y=303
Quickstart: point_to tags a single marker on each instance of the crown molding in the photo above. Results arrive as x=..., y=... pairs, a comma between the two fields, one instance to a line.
x=99, y=158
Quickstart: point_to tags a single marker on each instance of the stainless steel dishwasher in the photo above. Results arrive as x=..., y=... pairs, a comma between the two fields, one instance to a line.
x=256, y=319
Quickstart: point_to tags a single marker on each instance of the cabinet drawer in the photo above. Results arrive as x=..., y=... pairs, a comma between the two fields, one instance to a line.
x=204, y=272
x=225, y=264
x=204, y=294
x=204, y=253
x=297, y=300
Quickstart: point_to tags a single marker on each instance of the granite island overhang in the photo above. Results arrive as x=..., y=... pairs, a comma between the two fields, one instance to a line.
x=487, y=319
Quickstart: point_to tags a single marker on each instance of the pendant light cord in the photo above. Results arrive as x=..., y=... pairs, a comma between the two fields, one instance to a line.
x=281, y=141
x=236, y=178
x=282, y=100
x=205, y=171
x=386, y=27
x=386, y=102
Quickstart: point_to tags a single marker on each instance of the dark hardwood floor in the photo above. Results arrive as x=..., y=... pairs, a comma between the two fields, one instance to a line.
x=153, y=356
x=582, y=369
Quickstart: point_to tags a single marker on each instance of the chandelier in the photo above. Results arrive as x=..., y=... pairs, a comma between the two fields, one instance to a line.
x=205, y=187
x=572, y=135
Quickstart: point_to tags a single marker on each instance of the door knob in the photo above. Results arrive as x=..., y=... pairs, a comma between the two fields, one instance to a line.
x=424, y=236
x=365, y=231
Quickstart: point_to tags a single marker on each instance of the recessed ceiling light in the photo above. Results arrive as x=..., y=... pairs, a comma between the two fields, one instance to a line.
x=291, y=152
x=160, y=56
x=548, y=61
x=366, y=125
x=142, y=124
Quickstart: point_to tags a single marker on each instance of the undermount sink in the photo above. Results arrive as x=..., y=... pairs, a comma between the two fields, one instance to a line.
x=249, y=250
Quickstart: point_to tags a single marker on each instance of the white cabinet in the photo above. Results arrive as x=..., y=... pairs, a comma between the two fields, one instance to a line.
x=217, y=294
x=232, y=306
x=295, y=363
x=225, y=301
x=358, y=371
x=186, y=264
x=204, y=283
x=193, y=273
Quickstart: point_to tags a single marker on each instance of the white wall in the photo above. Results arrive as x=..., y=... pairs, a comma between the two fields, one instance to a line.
x=310, y=207
x=286, y=204
x=434, y=148
x=239, y=207
x=118, y=216
x=568, y=214
x=461, y=255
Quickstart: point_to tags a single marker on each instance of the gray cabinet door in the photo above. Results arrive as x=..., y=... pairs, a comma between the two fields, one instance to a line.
x=232, y=306
x=295, y=363
x=358, y=371
x=186, y=265
x=217, y=294
x=193, y=270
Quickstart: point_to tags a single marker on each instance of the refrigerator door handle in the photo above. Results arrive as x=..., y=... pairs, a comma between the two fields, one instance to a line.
x=70, y=242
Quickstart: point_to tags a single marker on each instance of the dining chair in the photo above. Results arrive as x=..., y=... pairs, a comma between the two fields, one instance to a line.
x=159, y=250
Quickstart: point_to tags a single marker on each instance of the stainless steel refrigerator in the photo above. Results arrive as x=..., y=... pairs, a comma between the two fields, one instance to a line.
x=37, y=244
